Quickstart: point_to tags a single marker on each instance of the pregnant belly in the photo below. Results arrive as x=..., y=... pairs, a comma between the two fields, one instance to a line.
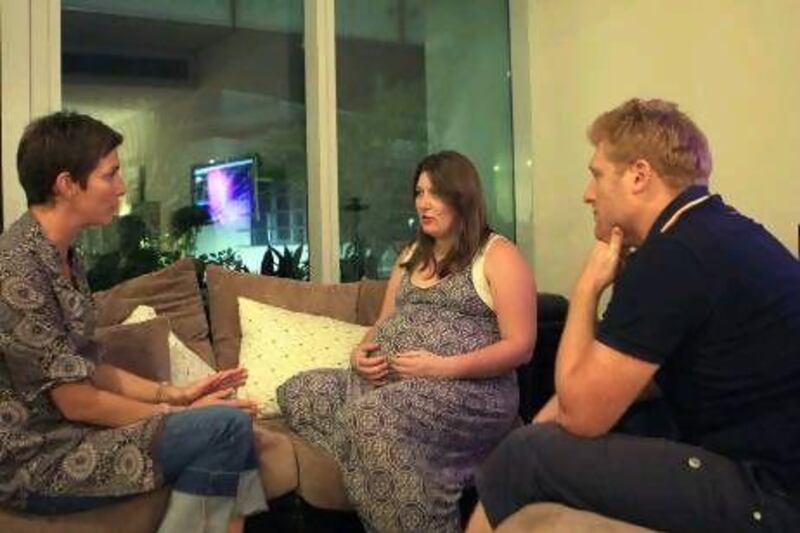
x=442, y=333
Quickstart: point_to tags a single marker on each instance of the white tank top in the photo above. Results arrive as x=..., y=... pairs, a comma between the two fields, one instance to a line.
x=479, y=280
x=479, y=276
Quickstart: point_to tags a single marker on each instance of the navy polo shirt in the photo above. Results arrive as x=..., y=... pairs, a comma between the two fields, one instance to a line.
x=715, y=302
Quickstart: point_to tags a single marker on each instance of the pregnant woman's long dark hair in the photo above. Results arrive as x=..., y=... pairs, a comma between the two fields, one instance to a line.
x=456, y=181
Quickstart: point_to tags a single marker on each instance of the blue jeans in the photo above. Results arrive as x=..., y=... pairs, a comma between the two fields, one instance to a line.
x=199, y=451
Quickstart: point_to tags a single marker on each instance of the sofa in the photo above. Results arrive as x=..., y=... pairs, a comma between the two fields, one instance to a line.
x=292, y=470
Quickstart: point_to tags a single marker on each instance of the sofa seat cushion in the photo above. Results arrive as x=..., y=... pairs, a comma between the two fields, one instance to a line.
x=136, y=515
x=225, y=287
x=319, y=479
x=556, y=518
x=276, y=458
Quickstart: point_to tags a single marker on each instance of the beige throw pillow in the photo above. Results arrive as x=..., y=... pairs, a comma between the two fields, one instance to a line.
x=277, y=344
x=336, y=300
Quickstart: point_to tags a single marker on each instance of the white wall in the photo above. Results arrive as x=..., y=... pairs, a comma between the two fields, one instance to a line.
x=31, y=83
x=732, y=65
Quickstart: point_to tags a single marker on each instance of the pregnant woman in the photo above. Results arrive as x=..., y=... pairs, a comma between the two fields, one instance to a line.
x=432, y=387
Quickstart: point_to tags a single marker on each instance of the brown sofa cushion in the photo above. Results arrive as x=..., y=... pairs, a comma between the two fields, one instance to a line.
x=141, y=348
x=555, y=518
x=318, y=476
x=173, y=292
x=224, y=287
x=276, y=457
x=136, y=515
x=370, y=299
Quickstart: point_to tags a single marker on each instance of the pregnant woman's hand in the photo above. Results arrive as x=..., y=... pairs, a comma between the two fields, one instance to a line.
x=419, y=364
x=374, y=369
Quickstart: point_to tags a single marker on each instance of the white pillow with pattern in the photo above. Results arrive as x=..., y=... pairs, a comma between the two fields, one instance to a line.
x=277, y=344
x=185, y=365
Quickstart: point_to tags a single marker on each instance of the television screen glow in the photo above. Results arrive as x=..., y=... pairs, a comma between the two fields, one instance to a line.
x=225, y=191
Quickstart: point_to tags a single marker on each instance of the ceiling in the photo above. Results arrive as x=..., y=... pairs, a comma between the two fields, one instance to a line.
x=185, y=26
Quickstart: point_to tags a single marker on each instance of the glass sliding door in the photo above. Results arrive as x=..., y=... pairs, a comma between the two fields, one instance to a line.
x=210, y=97
x=414, y=77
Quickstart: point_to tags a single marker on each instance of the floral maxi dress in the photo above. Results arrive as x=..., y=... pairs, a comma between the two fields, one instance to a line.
x=408, y=448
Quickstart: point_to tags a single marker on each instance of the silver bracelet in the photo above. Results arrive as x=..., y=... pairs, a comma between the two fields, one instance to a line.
x=162, y=387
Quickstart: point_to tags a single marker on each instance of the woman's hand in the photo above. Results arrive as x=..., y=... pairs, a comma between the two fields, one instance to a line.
x=420, y=364
x=230, y=380
x=373, y=369
x=225, y=397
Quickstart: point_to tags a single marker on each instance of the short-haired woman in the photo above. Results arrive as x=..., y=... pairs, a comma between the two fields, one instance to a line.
x=76, y=433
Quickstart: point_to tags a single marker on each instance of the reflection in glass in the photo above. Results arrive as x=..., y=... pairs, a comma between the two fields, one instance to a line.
x=211, y=102
x=415, y=77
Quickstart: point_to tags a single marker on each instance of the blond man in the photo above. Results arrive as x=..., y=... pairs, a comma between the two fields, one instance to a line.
x=706, y=304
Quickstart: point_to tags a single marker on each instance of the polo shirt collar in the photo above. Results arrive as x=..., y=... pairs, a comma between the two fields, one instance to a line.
x=689, y=194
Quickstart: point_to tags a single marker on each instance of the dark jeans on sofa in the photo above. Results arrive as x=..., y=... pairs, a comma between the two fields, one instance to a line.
x=652, y=482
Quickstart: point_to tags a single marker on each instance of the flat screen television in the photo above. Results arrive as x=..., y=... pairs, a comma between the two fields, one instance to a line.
x=225, y=190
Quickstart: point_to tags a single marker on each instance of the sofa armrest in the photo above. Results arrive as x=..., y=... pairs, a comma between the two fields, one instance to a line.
x=555, y=518
x=536, y=383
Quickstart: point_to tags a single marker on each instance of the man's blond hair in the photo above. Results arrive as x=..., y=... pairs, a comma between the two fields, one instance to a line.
x=656, y=131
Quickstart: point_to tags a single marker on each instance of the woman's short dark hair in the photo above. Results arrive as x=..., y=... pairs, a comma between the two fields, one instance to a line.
x=61, y=142
x=456, y=181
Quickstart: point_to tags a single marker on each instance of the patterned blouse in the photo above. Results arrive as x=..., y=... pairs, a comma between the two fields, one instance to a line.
x=46, y=326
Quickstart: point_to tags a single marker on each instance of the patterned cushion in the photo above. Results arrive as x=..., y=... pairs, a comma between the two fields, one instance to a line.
x=277, y=344
x=224, y=287
x=184, y=365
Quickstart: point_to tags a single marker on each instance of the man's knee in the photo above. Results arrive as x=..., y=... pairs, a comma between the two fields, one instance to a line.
x=524, y=456
x=512, y=474
x=532, y=442
x=520, y=445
